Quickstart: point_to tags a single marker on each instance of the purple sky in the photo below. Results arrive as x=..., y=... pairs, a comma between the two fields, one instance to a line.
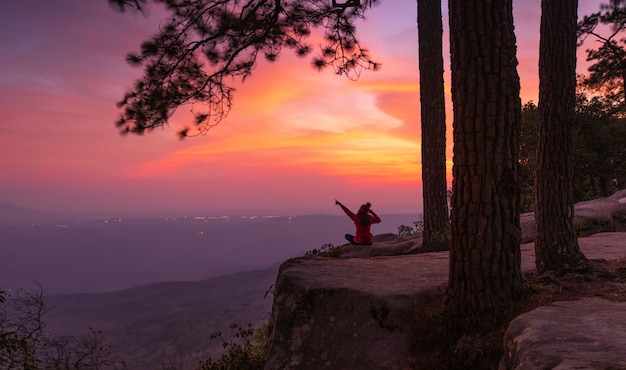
x=295, y=140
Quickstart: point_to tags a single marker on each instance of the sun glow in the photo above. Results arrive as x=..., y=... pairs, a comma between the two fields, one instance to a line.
x=372, y=156
x=293, y=138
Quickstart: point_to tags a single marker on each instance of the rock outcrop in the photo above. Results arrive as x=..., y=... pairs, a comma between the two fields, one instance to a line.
x=590, y=217
x=589, y=334
x=349, y=313
x=358, y=311
x=601, y=215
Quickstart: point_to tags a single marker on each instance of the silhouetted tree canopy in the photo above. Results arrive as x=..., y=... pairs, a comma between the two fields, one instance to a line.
x=608, y=73
x=204, y=46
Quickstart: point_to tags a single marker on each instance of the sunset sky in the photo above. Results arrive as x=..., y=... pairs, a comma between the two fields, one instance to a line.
x=295, y=140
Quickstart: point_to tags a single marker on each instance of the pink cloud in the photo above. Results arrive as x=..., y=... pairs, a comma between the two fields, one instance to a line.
x=295, y=139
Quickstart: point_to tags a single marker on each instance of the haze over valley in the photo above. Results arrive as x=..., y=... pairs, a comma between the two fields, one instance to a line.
x=158, y=287
x=66, y=255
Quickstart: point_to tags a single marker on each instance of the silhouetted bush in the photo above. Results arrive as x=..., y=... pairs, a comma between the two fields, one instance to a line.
x=326, y=250
x=245, y=350
x=25, y=344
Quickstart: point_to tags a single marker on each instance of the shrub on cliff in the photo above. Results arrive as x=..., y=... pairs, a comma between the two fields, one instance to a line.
x=245, y=350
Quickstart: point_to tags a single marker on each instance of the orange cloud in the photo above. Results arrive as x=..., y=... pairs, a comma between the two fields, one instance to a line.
x=306, y=121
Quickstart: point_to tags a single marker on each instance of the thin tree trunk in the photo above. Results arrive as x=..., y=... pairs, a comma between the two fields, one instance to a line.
x=485, y=257
x=433, y=117
x=556, y=245
x=624, y=83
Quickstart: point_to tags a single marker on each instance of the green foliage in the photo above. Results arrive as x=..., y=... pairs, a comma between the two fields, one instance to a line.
x=326, y=250
x=599, y=135
x=529, y=287
x=602, y=165
x=600, y=158
x=527, y=160
x=404, y=230
x=419, y=226
x=244, y=351
x=580, y=229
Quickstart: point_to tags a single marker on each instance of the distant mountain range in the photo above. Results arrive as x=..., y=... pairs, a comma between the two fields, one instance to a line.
x=169, y=322
x=11, y=214
x=159, y=287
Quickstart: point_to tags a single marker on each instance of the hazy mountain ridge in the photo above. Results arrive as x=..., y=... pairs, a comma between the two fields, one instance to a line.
x=163, y=286
x=12, y=214
x=166, y=321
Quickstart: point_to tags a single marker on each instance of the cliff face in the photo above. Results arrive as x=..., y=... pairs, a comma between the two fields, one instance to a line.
x=359, y=311
x=349, y=314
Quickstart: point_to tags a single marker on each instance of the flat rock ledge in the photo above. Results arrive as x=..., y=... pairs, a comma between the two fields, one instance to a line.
x=358, y=311
x=584, y=334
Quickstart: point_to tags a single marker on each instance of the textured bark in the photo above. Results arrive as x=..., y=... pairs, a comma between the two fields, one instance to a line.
x=485, y=256
x=556, y=245
x=433, y=117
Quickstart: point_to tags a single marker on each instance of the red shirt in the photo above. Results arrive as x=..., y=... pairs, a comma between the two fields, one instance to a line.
x=363, y=234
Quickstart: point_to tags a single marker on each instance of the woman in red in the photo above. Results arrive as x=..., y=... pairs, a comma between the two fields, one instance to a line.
x=363, y=220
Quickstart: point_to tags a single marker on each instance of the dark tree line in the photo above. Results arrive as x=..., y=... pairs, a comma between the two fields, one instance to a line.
x=600, y=154
x=599, y=134
x=600, y=126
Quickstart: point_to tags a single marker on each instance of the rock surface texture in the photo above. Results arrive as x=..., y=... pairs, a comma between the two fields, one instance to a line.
x=591, y=217
x=584, y=334
x=358, y=311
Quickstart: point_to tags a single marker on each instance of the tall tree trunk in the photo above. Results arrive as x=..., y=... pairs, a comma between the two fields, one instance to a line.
x=556, y=245
x=485, y=257
x=433, y=117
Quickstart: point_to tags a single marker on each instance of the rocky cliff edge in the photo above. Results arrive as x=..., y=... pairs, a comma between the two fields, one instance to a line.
x=359, y=311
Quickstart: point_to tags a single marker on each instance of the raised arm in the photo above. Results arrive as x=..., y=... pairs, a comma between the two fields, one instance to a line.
x=346, y=210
